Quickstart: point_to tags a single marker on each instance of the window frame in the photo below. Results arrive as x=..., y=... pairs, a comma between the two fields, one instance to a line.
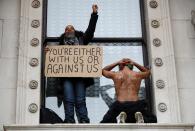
x=143, y=40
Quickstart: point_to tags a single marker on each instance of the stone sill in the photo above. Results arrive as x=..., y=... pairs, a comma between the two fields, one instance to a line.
x=102, y=127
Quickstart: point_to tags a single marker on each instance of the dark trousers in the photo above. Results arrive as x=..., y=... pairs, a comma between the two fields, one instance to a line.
x=130, y=108
x=75, y=100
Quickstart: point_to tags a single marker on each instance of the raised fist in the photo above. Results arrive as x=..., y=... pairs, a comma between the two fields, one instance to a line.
x=95, y=8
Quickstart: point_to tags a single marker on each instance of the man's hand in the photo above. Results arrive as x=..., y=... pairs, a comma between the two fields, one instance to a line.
x=120, y=62
x=125, y=61
x=130, y=61
x=95, y=8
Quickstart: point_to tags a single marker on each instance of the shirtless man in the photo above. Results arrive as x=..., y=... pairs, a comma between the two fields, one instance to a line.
x=127, y=84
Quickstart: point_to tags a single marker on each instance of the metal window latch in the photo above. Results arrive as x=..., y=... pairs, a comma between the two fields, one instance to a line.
x=193, y=18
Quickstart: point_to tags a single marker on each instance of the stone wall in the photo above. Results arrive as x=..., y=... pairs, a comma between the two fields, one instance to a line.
x=9, y=32
x=184, y=49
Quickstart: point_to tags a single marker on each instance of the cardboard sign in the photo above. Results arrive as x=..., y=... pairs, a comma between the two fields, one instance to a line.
x=73, y=61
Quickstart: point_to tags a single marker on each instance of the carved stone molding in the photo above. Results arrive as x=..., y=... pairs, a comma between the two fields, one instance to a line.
x=158, y=62
x=160, y=84
x=157, y=42
x=35, y=4
x=162, y=107
x=34, y=42
x=33, y=84
x=35, y=23
x=30, y=35
x=154, y=19
x=155, y=23
x=153, y=4
x=100, y=127
x=33, y=108
x=34, y=62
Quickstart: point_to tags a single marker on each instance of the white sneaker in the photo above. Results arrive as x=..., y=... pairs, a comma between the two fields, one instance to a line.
x=139, y=117
x=122, y=117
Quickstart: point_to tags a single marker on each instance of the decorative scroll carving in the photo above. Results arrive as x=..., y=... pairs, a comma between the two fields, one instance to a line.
x=35, y=4
x=33, y=84
x=155, y=23
x=33, y=108
x=158, y=62
x=35, y=23
x=153, y=4
x=162, y=107
x=34, y=62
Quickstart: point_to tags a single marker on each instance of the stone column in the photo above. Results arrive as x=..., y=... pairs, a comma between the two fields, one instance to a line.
x=162, y=59
x=29, y=68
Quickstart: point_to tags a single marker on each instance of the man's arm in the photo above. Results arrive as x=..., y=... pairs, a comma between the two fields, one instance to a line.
x=144, y=71
x=106, y=71
x=89, y=33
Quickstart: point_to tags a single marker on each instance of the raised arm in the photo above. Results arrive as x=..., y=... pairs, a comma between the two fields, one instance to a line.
x=144, y=72
x=89, y=33
x=106, y=71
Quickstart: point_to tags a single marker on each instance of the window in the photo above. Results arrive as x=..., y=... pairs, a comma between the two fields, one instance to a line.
x=119, y=30
x=119, y=19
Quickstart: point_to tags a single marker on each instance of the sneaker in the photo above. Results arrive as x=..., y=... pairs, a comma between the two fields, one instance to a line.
x=122, y=117
x=139, y=117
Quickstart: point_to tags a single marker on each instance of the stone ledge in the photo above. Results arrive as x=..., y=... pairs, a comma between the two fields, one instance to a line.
x=105, y=127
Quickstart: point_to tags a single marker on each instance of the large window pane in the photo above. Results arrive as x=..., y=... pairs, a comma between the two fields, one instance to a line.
x=117, y=18
x=102, y=94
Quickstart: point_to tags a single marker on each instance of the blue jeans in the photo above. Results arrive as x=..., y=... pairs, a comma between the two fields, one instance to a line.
x=75, y=99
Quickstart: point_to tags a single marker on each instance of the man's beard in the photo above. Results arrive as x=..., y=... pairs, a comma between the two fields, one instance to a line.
x=69, y=38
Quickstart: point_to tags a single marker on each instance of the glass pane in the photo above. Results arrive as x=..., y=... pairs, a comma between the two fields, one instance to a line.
x=117, y=18
x=102, y=94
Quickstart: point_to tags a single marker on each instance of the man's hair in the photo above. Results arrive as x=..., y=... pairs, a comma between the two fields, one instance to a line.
x=69, y=26
x=130, y=66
